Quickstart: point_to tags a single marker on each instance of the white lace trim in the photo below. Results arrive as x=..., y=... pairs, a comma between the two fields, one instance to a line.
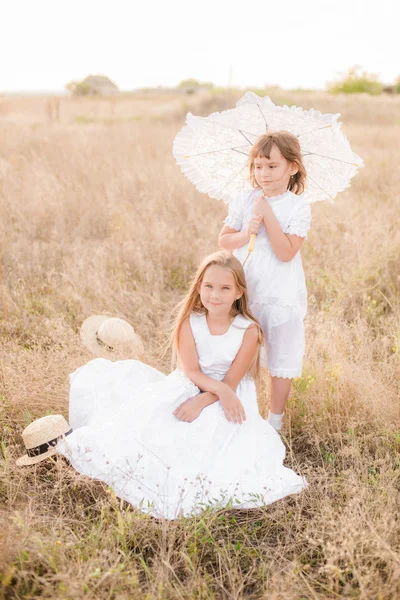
x=296, y=230
x=300, y=222
x=234, y=221
x=285, y=373
x=215, y=186
x=278, y=302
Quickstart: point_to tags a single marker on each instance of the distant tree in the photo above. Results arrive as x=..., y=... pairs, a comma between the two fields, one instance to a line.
x=356, y=81
x=79, y=88
x=397, y=85
x=190, y=86
x=93, y=85
x=71, y=86
x=187, y=83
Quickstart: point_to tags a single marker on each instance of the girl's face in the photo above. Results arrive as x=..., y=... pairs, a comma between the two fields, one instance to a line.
x=273, y=174
x=218, y=290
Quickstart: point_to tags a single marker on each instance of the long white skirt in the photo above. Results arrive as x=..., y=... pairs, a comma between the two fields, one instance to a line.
x=125, y=434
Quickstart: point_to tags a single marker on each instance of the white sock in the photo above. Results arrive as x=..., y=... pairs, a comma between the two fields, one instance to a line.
x=275, y=420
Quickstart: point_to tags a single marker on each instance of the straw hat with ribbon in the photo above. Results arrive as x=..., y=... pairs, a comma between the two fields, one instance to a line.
x=107, y=336
x=41, y=437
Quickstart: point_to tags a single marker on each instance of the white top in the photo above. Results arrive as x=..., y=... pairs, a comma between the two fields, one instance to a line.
x=271, y=281
x=217, y=352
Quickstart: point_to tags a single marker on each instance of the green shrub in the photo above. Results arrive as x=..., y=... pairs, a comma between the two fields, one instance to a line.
x=356, y=81
x=80, y=88
x=190, y=86
x=189, y=83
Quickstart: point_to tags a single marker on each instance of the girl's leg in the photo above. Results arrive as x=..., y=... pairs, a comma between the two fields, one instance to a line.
x=286, y=350
x=280, y=390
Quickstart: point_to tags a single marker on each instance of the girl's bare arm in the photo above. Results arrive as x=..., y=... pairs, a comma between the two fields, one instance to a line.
x=238, y=368
x=243, y=359
x=231, y=239
x=224, y=391
x=190, y=362
x=284, y=245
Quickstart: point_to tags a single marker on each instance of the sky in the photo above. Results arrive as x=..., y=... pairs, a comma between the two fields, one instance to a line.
x=44, y=44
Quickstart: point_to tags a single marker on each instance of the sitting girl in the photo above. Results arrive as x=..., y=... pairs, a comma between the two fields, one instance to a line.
x=171, y=445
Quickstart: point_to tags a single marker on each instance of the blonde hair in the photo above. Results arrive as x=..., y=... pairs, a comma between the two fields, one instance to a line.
x=192, y=302
x=289, y=147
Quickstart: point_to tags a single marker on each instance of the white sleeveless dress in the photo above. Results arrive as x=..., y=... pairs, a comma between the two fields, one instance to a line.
x=125, y=434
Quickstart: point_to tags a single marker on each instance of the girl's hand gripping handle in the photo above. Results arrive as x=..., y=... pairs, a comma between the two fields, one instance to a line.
x=252, y=229
x=252, y=241
x=250, y=247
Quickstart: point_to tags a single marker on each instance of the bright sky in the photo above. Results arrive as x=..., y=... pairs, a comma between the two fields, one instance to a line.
x=44, y=44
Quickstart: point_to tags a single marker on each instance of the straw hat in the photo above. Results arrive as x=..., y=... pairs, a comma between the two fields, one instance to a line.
x=41, y=437
x=106, y=336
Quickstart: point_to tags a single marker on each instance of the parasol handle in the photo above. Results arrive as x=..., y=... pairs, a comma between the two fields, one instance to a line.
x=250, y=247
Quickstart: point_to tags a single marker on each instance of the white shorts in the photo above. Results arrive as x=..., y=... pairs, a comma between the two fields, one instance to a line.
x=284, y=342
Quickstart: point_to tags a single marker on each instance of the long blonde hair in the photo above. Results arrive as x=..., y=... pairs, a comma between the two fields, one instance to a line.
x=192, y=302
x=289, y=147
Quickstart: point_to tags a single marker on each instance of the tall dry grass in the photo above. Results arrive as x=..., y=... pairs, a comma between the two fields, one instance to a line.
x=96, y=217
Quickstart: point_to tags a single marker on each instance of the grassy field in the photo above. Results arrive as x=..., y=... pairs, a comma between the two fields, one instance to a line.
x=97, y=218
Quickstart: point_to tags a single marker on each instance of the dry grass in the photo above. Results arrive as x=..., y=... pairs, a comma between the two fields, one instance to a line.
x=96, y=217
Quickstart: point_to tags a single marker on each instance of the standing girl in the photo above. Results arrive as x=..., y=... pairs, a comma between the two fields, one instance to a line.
x=280, y=218
x=172, y=445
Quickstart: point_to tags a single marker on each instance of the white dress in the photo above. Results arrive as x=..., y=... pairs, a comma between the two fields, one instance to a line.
x=277, y=289
x=125, y=434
